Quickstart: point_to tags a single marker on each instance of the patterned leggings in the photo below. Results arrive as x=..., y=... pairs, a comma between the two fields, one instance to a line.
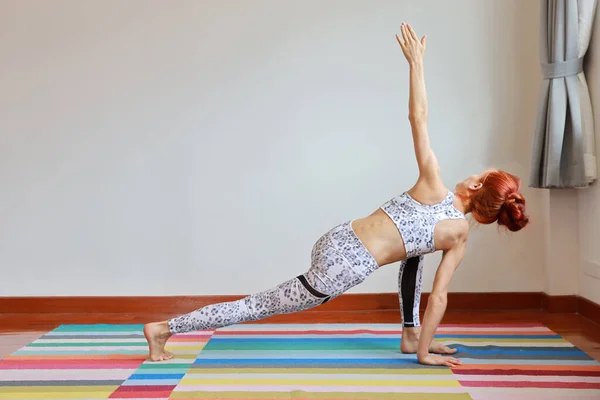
x=410, y=281
x=339, y=262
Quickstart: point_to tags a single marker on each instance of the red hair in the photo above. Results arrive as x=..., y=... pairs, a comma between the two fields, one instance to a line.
x=499, y=199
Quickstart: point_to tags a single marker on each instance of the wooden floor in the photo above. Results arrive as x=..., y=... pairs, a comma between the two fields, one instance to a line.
x=578, y=330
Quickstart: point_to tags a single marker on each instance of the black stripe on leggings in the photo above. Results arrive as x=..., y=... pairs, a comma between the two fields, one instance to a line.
x=409, y=286
x=312, y=290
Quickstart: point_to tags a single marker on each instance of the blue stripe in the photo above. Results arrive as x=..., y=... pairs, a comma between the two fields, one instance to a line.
x=526, y=351
x=156, y=376
x=367, y=339
x=151, y=382
x=297, y=361
x=367, y=363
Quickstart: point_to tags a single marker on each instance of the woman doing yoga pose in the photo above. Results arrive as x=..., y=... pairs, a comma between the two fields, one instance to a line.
x=426, y=218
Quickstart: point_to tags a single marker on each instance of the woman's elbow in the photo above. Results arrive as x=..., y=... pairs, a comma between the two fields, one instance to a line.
x=417, y=117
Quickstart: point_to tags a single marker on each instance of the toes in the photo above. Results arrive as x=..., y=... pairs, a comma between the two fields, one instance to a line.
x=449, y=350
x=161, y=357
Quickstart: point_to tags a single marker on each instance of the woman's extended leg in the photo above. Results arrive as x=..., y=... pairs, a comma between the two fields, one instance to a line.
x=339, y=262
x=294, y=295
x=410, y=283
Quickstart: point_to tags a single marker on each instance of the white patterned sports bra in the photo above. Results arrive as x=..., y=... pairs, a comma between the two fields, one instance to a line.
x=416, y=221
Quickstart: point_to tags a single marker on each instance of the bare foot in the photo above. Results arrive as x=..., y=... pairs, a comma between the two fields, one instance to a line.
x=410, y=343
x=157, y=334
x=438, y=348
x=410, y=346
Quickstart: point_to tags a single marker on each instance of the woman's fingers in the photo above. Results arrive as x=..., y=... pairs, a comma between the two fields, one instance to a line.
x=450, y=364
x=455, y=362
x=412, y=33
x=405, y=35
x=399, y=41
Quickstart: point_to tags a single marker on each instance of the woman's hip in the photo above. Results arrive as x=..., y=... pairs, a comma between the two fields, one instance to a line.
x=340, y=261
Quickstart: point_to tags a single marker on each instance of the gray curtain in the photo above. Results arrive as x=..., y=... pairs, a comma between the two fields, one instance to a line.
x=563, y=154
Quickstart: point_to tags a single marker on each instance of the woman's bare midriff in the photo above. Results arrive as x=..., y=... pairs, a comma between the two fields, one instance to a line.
x=380, y=236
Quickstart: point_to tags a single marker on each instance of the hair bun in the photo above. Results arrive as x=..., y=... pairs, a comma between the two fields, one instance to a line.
x=512, y=213
x=515, y=197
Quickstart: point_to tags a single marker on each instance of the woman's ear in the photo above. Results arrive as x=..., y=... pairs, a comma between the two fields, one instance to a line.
x=476, y=186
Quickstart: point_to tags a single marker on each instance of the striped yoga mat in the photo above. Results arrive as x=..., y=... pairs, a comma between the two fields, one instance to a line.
x=316, y=361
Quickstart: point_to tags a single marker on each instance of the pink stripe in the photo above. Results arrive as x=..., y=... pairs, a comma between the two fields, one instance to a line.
x=77, y=364
x=529, y=384
x=538, y=396
x=514, y=325
x=159, y=394
x=319, y=389
x=150, y=388
x=373, y=332
x=531, y=378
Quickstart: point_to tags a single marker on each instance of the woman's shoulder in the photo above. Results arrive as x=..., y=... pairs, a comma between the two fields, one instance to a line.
x=428, y=193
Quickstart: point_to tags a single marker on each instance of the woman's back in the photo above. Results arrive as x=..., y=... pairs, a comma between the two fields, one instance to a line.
x=405, y=226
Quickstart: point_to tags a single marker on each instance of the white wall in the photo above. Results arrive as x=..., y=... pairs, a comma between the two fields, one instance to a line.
x=589, y=199
x=201, y=147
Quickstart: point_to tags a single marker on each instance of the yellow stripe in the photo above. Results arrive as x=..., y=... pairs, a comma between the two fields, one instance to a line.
x=54, y=395
x=317, y=382
x=190, y=356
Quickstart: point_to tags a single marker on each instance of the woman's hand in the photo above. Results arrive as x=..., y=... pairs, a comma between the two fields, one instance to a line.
x=433, y=359
x=412, y=47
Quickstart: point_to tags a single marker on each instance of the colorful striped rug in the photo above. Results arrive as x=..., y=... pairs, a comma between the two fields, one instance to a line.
x=316, y=361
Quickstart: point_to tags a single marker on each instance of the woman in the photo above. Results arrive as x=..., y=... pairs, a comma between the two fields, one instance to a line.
x=425, y=219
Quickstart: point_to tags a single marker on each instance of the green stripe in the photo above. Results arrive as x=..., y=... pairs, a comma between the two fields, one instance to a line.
x=300, y=345
x=23, y=352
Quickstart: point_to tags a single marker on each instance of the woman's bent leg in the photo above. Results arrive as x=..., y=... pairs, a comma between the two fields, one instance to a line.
x=410, y=283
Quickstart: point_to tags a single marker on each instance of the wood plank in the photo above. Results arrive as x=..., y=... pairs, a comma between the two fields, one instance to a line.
x=589, y=309
x=560, y=304
x=184, y=304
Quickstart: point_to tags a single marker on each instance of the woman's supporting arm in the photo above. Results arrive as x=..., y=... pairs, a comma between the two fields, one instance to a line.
x=436, y=306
